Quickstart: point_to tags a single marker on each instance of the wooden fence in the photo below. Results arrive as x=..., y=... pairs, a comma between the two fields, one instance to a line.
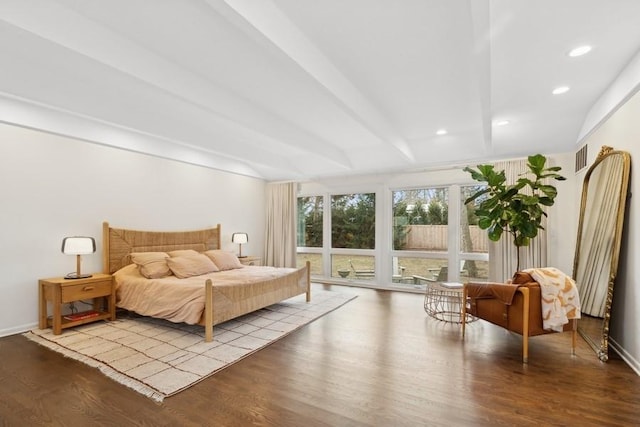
x=435, y=238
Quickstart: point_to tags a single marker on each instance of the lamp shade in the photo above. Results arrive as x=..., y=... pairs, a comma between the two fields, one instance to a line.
x=240, y=238
x=78, y=245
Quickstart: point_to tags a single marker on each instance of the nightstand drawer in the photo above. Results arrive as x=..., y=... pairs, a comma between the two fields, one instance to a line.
x=85, y=290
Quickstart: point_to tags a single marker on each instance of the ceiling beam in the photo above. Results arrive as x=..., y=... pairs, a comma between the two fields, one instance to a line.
x=96, y=42
x=31, y=115
x=272, y=24
x=481, y=57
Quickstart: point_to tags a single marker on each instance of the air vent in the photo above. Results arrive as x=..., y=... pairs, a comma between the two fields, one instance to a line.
x=581, y=158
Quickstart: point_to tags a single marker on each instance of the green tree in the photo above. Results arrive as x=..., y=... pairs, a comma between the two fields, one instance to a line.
x=400, y=222
x=310, y=221
x=353, y=221
x=437, y=213
x=472, y=206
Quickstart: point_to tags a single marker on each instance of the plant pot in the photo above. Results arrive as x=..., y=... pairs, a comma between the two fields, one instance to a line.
x=344, y=273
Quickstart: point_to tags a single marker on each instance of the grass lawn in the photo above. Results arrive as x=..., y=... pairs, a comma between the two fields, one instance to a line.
x=407, y=267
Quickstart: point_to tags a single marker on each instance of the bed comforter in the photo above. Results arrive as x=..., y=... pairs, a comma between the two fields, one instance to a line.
x=235, y=292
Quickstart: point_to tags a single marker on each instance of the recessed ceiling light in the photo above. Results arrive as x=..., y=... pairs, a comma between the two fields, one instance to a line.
x=501, y=123
x=560, y=90
x=441, y=132
x=580, y=50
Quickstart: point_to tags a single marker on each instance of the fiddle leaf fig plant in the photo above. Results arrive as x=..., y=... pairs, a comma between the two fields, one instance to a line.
x=517, y=208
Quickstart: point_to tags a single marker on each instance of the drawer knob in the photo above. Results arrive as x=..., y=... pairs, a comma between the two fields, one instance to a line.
x=88, y=288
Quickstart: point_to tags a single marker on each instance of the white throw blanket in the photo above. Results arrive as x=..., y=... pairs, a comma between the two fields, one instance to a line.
x=560, y=300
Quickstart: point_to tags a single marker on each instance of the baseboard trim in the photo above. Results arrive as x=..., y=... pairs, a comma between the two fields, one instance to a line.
x=629, y=359
x=18, y=329
x=342, y=282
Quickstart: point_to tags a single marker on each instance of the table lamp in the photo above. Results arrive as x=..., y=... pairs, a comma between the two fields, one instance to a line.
x=240, y=238
x=78, y=245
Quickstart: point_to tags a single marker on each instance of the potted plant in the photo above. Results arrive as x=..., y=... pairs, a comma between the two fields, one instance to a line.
x=511, y=208
x=344, y=273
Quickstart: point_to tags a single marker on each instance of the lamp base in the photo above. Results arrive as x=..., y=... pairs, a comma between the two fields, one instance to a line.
x=242, y=256
x=77, y=276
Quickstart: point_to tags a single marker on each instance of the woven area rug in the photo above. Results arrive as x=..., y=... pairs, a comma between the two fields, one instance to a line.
x=158, y=358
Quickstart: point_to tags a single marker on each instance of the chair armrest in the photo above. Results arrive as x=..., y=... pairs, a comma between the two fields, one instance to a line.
x=504, y=292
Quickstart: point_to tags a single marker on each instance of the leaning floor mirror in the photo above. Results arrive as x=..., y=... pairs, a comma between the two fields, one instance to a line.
x=600, y=225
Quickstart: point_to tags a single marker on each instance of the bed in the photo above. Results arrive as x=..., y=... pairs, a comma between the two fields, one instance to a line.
x=204, y=299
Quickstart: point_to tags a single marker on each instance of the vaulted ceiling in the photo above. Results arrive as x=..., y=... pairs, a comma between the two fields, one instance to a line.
x=302, y=89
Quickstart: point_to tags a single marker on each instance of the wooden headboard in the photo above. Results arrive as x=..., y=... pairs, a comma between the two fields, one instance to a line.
x=119, y=243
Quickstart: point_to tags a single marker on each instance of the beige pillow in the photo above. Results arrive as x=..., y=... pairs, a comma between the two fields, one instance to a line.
x=192, y=265
x=183, y=252
x=152, y=265
x=224, y=260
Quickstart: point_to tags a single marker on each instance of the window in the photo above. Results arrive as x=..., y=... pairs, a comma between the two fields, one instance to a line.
x=420, y=219
x=473, y=241
x=314, y=259
x=358, y=267
x=417, y=271
x=310, y=221
x=420, y=225
x=310, y=225
x=428, y=235
x=353, y=221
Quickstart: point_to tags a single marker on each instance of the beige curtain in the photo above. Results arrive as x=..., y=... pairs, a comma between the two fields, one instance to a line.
x=280, y=233
x=502, y=254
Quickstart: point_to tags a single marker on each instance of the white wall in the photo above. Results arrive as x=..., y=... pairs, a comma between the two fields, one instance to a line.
x=562, y=220
x=622, y=132
x=52, y=187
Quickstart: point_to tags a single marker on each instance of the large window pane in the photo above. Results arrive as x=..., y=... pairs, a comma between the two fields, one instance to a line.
x=310, y=221
x=420, y=219
x=420, y=234
x=356, y=267
x=474, y=270
x=353, y=221
x=472, y=238
x=314, y=259
x=418, y=271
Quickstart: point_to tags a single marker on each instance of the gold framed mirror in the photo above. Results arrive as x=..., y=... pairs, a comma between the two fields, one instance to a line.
x=600, y=224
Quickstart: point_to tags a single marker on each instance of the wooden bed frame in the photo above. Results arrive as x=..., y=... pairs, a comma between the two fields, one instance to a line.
x=119, y=243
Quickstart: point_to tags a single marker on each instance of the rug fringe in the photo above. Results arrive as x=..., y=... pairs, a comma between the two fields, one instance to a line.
x=146, y=386
x=131, y=383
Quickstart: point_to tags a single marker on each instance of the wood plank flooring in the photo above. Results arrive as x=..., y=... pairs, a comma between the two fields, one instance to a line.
x=377, y=361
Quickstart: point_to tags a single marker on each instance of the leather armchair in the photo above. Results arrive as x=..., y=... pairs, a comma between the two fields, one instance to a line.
x=514, y=306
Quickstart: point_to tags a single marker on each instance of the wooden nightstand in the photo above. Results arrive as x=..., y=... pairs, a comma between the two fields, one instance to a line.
x=58, y=290
x=251, y=260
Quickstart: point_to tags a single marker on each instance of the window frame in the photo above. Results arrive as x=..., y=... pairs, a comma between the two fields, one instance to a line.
x=384, y=252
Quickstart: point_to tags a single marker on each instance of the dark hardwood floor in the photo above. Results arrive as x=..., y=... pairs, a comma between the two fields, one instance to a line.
x=377, y=361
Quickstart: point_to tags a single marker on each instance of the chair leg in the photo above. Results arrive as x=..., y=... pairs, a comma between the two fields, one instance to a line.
x=463, y=309
x=574, y=336
x=525, y=324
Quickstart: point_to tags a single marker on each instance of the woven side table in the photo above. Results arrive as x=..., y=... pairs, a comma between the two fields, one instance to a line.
x=445, y=302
